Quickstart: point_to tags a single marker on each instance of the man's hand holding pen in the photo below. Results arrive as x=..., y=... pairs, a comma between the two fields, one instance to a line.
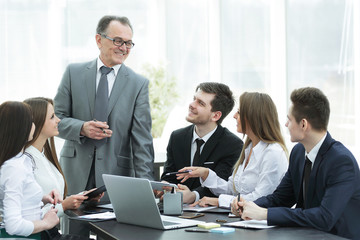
x=248, y=210
x=96, y=130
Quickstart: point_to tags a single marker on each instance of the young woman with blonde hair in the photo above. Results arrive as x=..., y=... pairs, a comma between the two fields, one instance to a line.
x=263, y=160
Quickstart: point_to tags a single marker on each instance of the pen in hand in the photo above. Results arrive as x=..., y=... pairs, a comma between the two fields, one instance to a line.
x=238, y=199
x=101, y=127
x=174, y=173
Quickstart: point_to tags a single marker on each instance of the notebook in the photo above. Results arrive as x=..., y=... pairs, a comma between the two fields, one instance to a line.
x=134, y=203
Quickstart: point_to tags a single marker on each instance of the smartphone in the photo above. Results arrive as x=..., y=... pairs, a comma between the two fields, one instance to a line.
x=97, y=210
x=96, y=192
x=190, y=215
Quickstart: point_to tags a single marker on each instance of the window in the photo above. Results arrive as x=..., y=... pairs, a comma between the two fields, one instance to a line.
x=268, y=46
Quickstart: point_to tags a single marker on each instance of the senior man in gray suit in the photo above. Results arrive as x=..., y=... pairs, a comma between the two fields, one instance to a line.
x=105, y=114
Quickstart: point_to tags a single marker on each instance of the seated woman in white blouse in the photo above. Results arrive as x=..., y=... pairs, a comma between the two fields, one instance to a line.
x=48, y=172
x=21, y=197
x=263, y=160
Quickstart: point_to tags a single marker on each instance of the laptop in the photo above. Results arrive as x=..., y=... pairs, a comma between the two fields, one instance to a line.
x=134, y=203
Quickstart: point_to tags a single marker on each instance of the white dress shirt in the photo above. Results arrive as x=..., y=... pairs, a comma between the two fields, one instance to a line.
x=194, y=145
x=48, y=177
x=314, y=151
x=193, y=150
x=111, y=76
x=267, y=166
x=20, y=195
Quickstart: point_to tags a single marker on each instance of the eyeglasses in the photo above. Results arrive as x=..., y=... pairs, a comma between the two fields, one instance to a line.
x=119, y=42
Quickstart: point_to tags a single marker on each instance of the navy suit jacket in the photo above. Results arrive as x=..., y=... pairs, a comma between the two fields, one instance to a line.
x=333, y=197
x=222, y=150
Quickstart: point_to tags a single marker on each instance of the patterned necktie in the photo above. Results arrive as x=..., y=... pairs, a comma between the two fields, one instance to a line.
x=102, y=101
x=199, y=143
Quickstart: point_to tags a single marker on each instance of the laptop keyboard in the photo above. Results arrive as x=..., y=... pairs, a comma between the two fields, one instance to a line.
x=160, y=206
x=170, y=223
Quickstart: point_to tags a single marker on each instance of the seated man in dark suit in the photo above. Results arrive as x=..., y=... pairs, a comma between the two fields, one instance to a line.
x=219, y=148
x=323, y=178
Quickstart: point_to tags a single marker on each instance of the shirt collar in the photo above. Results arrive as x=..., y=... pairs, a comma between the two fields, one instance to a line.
x=34, y=151
x=100, y=64
x=205, y=138
x=258, y=149
x=313, y=153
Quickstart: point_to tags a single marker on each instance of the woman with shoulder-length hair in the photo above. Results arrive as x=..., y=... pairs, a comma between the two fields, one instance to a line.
x=20, y=196
x=263, y=159
x=48, y=172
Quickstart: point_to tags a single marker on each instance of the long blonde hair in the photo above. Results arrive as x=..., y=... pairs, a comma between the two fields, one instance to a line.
x=258, y=112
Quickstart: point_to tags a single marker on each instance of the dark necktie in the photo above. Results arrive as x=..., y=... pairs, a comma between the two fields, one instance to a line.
x=307, y=171
x=102, y=101
x=199, y=143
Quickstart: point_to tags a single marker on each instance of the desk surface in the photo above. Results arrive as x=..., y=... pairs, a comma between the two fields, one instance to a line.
x=114, y=230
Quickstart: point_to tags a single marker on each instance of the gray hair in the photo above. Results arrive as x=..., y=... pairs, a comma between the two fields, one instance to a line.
x=105, y=21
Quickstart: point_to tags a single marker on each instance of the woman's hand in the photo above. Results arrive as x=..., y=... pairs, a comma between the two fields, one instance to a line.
x=237, y=207
x=94, y=199
x=201, y=172
x=53, y=197
x=206, y=201
x=51, y=218
x=73, y=201
x=49, y=221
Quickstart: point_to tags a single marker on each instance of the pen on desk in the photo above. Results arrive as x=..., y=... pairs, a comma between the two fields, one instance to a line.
x=197, y=230
x=100, y=128
x=174, y=173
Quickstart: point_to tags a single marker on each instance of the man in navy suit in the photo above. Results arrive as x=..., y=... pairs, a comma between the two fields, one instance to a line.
x=221, y=149
x=331, y=202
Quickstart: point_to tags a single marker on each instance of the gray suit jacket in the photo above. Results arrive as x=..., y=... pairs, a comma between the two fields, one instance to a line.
x=129, y=151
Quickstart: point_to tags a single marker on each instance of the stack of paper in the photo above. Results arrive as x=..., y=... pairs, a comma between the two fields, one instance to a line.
x=98, y=216
x=197, y=208
x=250, y=224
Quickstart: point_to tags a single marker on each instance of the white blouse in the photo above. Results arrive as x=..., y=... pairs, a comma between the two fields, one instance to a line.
x=20, y=195
x=47, y=176
x=267, y=166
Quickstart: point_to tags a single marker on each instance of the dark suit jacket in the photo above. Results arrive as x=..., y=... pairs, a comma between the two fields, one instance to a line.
x=223, y=149
x=333, y=197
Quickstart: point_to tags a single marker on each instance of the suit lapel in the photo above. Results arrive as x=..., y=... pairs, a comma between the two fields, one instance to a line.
x=299, y=173
x=89, y=80
x=314, y=172
x=119, y=85
x=187, y=148
x=300, y=193
x=188, y=140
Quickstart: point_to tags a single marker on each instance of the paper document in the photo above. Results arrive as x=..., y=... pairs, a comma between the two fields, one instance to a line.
x=256, y=224
x=99, y=216
x=197, y=208
x=107, y=206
